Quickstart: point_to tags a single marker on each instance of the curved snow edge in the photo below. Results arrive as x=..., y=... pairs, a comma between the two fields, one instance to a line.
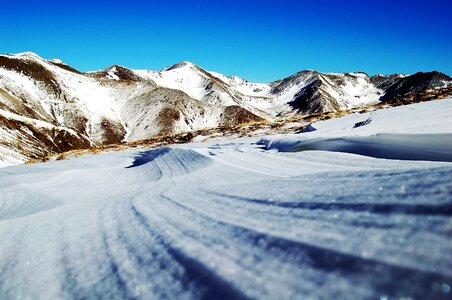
x=430, y=147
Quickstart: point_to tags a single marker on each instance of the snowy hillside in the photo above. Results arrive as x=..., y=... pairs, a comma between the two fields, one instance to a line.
x=214, y=88
x=241, y=219
x=320, y=92
x=48, y=107
x=305, y=92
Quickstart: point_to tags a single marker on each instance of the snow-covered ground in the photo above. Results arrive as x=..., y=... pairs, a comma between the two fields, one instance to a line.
x=234, y=220
x=422, y=131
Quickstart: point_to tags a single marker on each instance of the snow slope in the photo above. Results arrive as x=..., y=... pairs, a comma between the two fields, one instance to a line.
x=215, y=88
x=419, y=131
x=232, y=220
x=333, y=91
x=311, y=91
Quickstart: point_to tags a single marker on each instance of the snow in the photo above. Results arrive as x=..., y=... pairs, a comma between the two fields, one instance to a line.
x=356, y=90
x=87, y=96
x=185, y=78
x=386, y=133
x=432, y=117
x=215, y=88
x=234, y=220
x=8, y=157
x=97, y=99
x=26, y=55
x=35, y=122
x=433, y=147
x=19, y=84
x=86, y=102
x=243, y=86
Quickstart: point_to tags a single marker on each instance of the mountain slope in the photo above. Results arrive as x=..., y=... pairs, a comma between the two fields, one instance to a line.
x=212, y=88
x=415, y=83
x=311, y=91
x=305, y=92
x=48, y=107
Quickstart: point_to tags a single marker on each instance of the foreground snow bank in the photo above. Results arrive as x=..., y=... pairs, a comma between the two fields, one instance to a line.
x=414, y=132
x=225, y=221
x=434, y=147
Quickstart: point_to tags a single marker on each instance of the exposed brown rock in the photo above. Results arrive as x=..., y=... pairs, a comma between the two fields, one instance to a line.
x=114, y=133
x=36, y=142
x=426, y=95
x=166, y=119
x=236, y=115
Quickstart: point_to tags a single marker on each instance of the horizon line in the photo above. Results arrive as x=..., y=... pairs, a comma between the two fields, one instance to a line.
x=31, y=53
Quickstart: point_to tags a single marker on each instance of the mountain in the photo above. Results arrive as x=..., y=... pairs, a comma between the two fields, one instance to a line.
x=47, y=106
x=403, y=85
x=310, y=91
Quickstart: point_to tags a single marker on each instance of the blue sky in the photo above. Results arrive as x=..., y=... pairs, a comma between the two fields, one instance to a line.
x=258, y=40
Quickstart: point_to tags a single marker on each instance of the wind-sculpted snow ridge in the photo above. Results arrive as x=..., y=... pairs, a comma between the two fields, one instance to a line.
x=225, y=221
x=432, y=147
x=419, y=131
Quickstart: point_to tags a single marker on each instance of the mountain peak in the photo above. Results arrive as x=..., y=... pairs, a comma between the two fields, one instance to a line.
x=178, y=65
x=27, y=54
x=116, y=67
x=118, y=72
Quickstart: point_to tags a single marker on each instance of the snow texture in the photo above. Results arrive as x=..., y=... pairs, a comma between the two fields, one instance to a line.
x=390, y=133
x=232, y=220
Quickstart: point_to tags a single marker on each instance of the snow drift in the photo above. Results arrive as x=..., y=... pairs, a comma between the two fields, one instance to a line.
x=231, y=220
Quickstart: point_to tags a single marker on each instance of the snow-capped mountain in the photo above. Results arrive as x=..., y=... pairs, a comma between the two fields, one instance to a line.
x=396, y=85
x=46, y=106
x=310, y=91
x=49, y=107
x=214, y=88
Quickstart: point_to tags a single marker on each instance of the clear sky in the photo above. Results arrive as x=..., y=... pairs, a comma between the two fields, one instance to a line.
x=258, y=40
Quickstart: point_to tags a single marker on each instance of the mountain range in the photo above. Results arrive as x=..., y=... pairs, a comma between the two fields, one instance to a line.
x=47, y=106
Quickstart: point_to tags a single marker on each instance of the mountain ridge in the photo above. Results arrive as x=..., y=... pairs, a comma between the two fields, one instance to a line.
x=60, y=62
x=50, y=106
